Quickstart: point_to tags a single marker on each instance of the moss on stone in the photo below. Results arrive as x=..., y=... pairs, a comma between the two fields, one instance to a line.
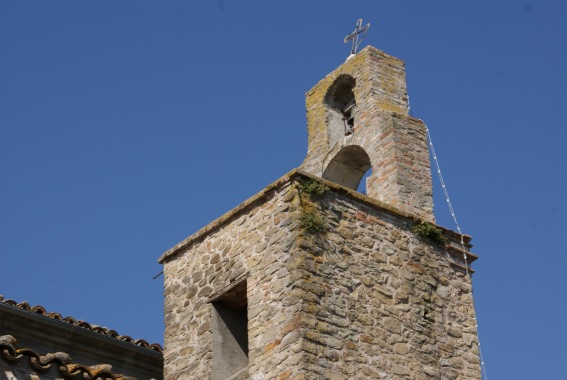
x=428, y=231
x=312, y=222
x=312, y=187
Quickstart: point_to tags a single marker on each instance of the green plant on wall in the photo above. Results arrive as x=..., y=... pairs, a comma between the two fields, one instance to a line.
x=312, y=222
x=311, y=219
x=428, y=231
x=312, y=187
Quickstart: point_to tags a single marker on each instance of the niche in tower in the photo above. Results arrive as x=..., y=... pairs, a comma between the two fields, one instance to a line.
x=230, y=332
x=342, y=108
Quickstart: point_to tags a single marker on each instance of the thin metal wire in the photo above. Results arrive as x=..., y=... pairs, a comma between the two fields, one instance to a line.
x=157, y=275
x=454, y=216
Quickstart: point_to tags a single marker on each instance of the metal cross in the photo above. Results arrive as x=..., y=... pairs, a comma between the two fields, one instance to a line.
x=354, y=36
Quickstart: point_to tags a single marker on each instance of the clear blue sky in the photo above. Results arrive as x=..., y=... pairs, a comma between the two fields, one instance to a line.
x=125, y=126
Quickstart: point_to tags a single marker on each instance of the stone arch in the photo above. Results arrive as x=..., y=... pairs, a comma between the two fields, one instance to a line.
x=348, y=166
x=341, y=104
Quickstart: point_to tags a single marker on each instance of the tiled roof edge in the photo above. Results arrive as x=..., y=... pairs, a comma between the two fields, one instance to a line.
x=40, y=310
x=62, y=361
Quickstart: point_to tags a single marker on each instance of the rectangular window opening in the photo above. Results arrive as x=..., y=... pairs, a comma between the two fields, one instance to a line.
x=230, y=332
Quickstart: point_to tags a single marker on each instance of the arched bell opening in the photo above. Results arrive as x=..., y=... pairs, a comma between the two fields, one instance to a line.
x=342, y=107
x=348, y=167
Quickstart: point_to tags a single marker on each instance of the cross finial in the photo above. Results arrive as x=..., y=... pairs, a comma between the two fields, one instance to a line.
x=354, y=36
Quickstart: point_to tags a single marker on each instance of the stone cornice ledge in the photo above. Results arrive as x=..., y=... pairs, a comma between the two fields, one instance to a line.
x=277, y=184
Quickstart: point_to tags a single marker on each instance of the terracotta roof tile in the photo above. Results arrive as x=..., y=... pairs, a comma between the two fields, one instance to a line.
x=61, y=360
x=40, y=310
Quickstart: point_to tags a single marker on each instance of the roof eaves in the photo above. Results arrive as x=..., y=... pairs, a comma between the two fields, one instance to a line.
x=40, y=310
x=62, y=362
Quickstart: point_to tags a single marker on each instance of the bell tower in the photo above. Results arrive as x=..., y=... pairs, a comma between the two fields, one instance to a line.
x=357, y=119
x=310, y=279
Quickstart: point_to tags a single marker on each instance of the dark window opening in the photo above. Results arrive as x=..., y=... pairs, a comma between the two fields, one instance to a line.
x=230, y=332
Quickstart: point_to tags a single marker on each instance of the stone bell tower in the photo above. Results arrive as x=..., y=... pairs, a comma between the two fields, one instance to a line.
x=310, y=279
x=357, y=119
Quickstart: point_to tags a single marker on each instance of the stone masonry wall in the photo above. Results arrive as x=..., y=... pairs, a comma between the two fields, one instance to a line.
x=346, y=293
x=255, y=243
x=379, y=302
